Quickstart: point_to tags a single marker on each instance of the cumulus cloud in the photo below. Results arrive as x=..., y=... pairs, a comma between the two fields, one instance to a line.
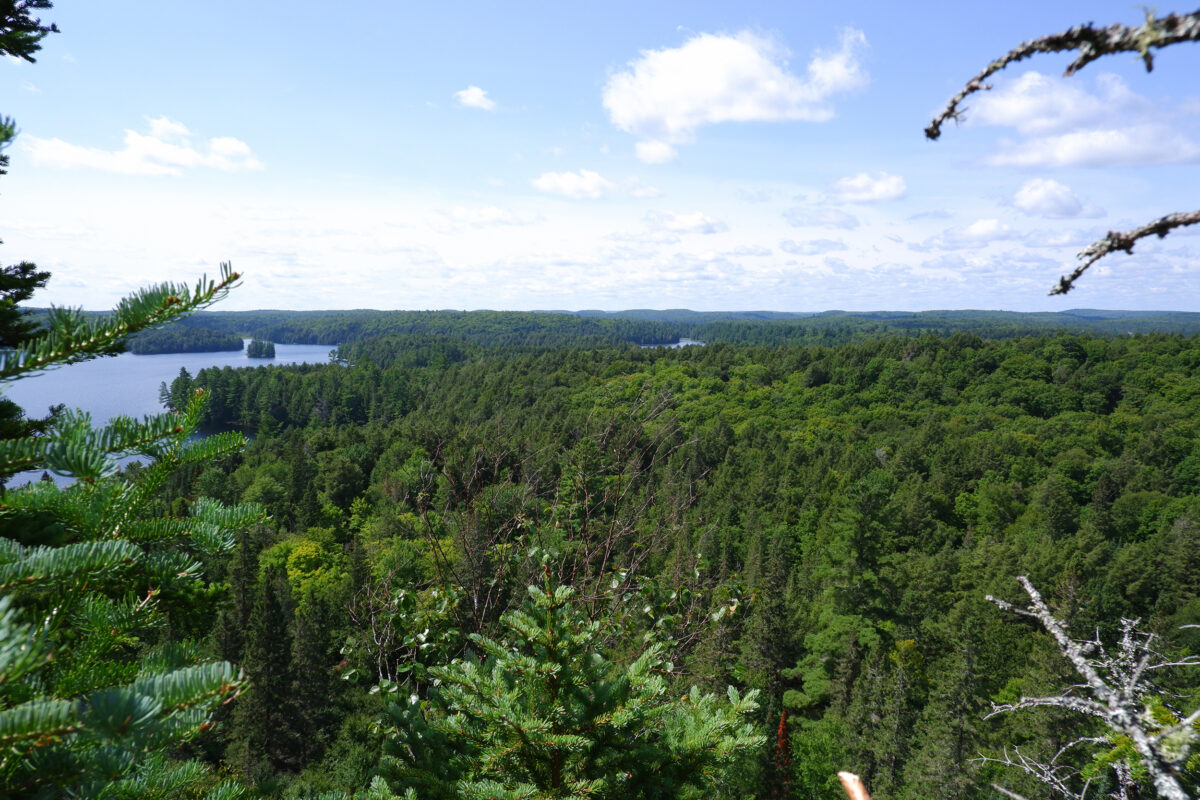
x=581, y=185
x=168, y=149
x=474, y=97
x=1043, y=197
x=801, y=217
x=663, y=96
x=979, y=233
x=867, y=188
x=813, y=247
x=1063, y=124
x=636, y=188
x=695, y=222
x=655, y=152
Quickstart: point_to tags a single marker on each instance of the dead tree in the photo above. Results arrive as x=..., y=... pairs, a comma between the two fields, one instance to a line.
x=1091, y=43
x=1118, y=690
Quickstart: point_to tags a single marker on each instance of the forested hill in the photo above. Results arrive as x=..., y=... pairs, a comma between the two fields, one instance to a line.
x=820, y=523
x=178, y=339
x=650, y=327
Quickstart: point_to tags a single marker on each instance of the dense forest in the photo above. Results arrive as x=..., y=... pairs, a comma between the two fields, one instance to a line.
x=178, y=339
x=820, y=524
x=257, y=348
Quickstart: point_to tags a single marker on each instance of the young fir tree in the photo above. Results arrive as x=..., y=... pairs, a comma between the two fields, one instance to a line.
x=543, y=713
x=94, y=693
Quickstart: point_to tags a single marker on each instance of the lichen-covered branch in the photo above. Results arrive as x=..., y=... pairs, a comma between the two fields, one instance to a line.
x=1091, y=43
x=1059, y=777
x=1120, y=694
x=1123, y=241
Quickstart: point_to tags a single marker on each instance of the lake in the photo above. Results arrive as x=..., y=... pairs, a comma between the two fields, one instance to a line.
x=128, y=384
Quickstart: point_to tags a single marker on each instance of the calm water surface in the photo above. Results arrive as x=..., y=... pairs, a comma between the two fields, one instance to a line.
x=128, y=384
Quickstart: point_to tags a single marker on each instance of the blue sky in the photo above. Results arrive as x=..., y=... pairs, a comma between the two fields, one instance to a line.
x=757, y=155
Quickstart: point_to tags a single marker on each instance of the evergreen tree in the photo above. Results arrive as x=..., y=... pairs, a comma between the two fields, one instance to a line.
x=93, y=690
x=543, y=714
x=20, y=37
x=267, y=713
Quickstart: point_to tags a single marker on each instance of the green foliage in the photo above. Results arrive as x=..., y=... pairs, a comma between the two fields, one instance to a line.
x=543, y=713
x=94, y=688
x=853, y=514
x=21, y=33
x=180, y=339
x=260, y=349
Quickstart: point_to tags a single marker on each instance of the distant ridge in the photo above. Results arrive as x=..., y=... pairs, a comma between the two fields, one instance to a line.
x=650, y=327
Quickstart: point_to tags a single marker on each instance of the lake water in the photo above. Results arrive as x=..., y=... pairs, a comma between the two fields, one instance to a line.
x=128, y=384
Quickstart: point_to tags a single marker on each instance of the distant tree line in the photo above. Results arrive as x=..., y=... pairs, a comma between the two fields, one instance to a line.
x=180, y=339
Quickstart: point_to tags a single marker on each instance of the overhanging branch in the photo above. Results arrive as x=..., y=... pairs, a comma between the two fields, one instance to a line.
x=1091, y=42
x=1123, y=241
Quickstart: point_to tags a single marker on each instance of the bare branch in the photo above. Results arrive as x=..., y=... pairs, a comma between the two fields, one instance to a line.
x=1091, y=42
x=1007, y=793
x=1058, y=777
x=1123, y=241
x=1076, y=704
x=1120, y=696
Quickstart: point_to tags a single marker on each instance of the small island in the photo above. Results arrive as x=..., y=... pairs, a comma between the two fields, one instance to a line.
x=257, y=348
x=180, y=339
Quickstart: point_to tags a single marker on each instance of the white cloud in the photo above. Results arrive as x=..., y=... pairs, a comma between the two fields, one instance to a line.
x=1062, y=124
x=749, y=250
x=979, y=233
x=655, y=152
x=813, y=247
x=474, y=97
x=800, y=217
x=1037, y=104
x=584, y=184
x=167, y=150
x=1043, y=197
x=168, y=129
x=665, y=95
x=659, y=237
x=695, y=222
x=866, y=188
x=642, y=191
x=1138, y=144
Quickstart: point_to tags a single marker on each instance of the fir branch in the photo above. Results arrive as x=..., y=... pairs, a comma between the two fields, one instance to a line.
x=72, y=337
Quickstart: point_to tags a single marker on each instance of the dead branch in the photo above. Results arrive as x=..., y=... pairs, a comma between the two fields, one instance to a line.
x=1123, y=241
x=1119, y=691
x=1091, y=42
